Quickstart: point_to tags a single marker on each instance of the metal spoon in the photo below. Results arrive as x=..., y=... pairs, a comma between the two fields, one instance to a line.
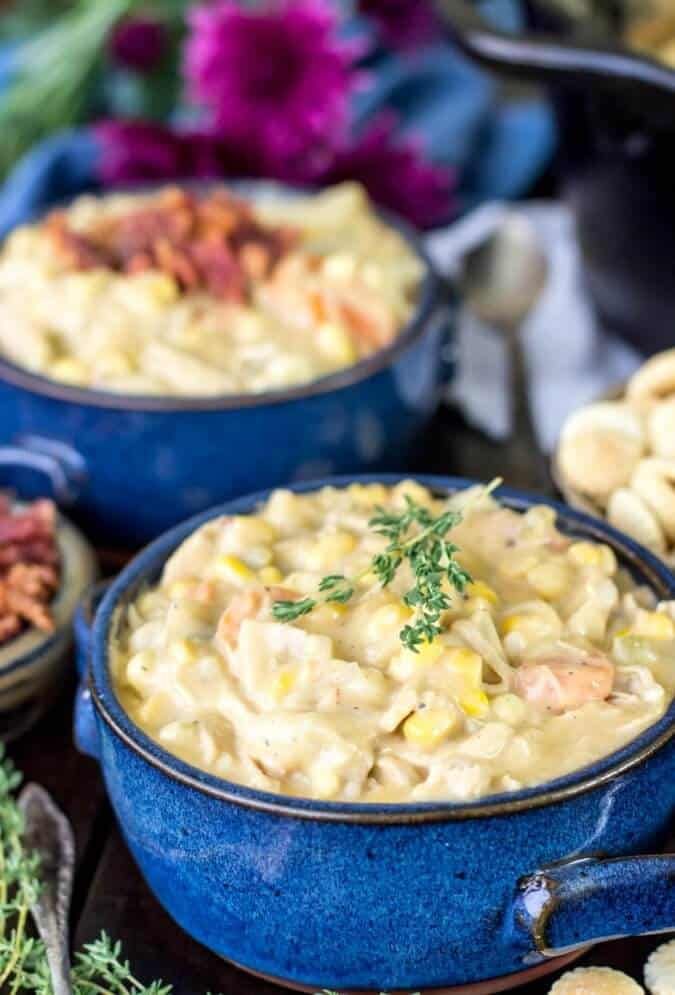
x=501, y=280
x=47, y=832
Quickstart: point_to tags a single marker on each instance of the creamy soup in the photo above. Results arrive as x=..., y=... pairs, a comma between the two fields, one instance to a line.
x=182, y=294
x=549, y=659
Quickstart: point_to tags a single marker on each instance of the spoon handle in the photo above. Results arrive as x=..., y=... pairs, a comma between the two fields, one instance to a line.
x=48, y=832
x=525, y=458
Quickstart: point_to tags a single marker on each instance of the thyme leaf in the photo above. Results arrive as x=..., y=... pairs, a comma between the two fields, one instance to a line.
x=99, y=966
x=418, y=538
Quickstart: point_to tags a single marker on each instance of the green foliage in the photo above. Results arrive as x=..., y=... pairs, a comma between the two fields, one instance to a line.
x=419, y=539
x=99, y=967
x=59, y=76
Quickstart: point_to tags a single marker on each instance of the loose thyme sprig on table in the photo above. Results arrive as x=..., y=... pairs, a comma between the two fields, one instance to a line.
x=99, y=967
x=431, y=557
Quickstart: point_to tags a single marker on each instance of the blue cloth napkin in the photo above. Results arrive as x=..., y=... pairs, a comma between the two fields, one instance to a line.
x=498, y=148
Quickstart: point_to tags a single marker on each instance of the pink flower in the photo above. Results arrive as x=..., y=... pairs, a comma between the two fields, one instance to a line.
x=396, y=173
x=135, y=152
x=276, y=79
x=403, y=23
x=138, y=44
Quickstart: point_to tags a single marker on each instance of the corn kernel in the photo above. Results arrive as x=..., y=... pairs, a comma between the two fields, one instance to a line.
x=550, y=580
x=270, y=575
x=325, y=783
x=69, y=370
x=654, y=625
x=283, y=682
x=181, y=588
x=369, y=494
x=191, y=335
x=509, y=708
x=113, y=362
x=258, y=557
x=586, y=554
x=336, y=609
x=183, y=651
x=429, y=727
x=329, y=548
x=474, y=703
x=163, y=288
x=158, y=709
x=478, y=589
x=512, y=623
x=257, y=529
x=140, y=668
x=248, y=326
x=427, y=654
x=329, y=611
x=413, y=490
x=339, y=266
x=541, y=517
x=148, y=601
x=467, y=663
x=386, y=618
x=232, y=569
x=336, y=343
x=518, y=564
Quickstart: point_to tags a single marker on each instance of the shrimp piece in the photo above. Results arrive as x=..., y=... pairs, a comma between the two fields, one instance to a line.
x=560, y=683
x=247, y=604
x=371, y=329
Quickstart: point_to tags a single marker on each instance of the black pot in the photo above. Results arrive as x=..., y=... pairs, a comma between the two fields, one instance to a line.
x=616, y=112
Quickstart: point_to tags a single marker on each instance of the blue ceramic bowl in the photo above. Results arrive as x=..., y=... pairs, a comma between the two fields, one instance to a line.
x=415, y=896
x=129, y=467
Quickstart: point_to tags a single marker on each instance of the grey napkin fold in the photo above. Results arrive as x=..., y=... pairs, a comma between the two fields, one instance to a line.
x=570, y=359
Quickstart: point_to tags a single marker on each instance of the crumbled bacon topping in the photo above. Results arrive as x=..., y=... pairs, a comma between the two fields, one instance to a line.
x=29, y=567
x=211, y=242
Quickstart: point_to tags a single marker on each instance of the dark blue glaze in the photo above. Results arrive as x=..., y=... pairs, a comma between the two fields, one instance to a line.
x=378, y=897
x=82, y=623
x=566, y=904
x=127, y=468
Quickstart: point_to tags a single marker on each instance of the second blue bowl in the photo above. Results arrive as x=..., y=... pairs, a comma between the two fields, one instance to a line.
x=129, y=467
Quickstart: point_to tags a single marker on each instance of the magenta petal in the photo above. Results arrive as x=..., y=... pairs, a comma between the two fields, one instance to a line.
x=396, y=173
x=403, y=24
x=138, y=44
x=277, y=79
x=135, y=152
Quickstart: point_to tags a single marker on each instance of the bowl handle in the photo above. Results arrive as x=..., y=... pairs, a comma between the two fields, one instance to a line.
x=85, y=726
x=590, y=900
x=60, y=463
x=85, y=729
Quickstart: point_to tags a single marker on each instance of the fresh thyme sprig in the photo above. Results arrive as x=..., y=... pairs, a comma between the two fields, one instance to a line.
x=432, y=560
x=99, y=967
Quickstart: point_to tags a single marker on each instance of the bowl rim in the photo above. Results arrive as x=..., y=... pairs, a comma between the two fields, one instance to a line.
x=150, y=560
x=432, y=289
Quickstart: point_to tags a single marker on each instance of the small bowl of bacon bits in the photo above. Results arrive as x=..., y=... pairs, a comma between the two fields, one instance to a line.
x=45, y=565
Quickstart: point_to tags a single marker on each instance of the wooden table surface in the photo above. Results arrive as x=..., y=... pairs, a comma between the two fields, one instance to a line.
x=110, y=893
